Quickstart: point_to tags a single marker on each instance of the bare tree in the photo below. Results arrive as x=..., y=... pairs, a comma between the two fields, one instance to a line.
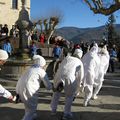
x=105, y=7
x=49, y=24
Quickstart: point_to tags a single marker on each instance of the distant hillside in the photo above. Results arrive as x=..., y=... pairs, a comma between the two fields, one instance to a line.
x=86, y=34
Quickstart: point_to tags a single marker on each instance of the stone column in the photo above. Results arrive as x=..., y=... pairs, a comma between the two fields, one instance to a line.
x=24, y=24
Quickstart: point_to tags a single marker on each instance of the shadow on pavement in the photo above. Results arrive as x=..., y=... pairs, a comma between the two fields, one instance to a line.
x=109, y=106
x=7, y=113
x=96, y=116
x=110, y=90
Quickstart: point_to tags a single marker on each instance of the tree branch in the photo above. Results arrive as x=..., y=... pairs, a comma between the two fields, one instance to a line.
x=107, y=11
x=88, y=3
x=99, y=9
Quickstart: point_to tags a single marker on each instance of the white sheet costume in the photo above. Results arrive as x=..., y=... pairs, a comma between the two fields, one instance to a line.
x=28, y=86
x=91, y=63
x=70, y=73
x=104, y=64
x=3, y=92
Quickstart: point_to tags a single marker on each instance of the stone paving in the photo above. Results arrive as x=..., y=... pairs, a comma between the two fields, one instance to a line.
x=106, y=107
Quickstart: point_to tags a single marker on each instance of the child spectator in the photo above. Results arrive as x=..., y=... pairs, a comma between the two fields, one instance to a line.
x=7, y=47
x=57, y=51
x=33, y=49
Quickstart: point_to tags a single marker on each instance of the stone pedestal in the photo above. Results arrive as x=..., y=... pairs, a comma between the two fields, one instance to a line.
x=13, y=69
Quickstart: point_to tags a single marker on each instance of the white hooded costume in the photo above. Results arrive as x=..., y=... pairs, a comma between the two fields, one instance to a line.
x=3, y=57
x=29, y=84
x=103, y=54
x=70, y=73
x=91, y=63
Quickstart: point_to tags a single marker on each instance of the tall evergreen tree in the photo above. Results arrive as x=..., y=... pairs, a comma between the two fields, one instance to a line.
x=112, y=35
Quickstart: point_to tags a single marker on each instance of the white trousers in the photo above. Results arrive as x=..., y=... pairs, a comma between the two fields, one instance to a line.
x=68, y=103
x=89, y=91
x=97, y=88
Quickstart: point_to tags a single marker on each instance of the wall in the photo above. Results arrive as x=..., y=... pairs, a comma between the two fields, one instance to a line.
x=8, y=15
x=13, y=69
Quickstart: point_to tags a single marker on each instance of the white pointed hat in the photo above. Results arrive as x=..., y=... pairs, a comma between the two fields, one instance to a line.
x=3, y=55
x=78, y=52
x=39, y=60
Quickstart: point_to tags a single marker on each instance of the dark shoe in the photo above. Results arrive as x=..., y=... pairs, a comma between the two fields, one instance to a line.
x=67, y=117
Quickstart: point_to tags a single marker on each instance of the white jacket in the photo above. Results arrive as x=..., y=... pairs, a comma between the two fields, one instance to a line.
x=103, y=54
x=70, y=72
x=29, y=83
x=5, y=93
x=91, y=63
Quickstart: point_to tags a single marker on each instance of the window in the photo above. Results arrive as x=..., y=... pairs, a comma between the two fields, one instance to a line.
x=15, y=4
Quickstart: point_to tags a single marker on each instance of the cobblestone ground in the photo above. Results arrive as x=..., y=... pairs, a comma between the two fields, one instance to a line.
x=106, y=107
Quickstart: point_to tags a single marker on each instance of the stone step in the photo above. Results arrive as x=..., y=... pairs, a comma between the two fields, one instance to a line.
x=12, y=83
x=5, y=82
x=109, y=78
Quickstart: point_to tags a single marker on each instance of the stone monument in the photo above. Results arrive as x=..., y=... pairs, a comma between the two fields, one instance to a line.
x=24, y=24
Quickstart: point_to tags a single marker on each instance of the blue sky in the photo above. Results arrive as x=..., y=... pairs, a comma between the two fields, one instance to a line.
x=74, y=13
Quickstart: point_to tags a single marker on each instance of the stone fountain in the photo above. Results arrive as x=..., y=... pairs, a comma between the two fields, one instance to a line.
x=14, y=67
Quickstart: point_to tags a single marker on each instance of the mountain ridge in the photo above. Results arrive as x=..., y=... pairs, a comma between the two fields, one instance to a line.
x=84, y=34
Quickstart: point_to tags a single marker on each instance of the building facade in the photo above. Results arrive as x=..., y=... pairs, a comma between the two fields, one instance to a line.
x=9, y=11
